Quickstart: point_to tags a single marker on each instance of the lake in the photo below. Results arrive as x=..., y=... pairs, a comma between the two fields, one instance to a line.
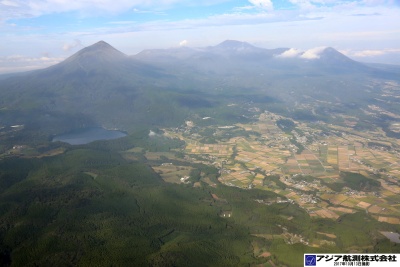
x=394, y=237
x=88, y=135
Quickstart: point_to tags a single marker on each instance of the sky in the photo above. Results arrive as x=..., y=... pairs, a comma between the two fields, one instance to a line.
x=39, y=33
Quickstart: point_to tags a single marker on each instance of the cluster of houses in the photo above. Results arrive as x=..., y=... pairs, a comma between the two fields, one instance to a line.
x=302, y=183
x=306, y=198
x=273, y=201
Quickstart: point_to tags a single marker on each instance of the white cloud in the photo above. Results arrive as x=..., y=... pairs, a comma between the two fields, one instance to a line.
x=337, y=26
x=292, y=52
x=264, y=4
x=14, y=9
x=21, y=58
x=17, y=63
x=183, y=43
x=378, y=2
x=123, y=22
x=140, y=11
x=9, y=3
x=305, y=4
x=37, y=7
x=313, y=53
x=370, y=52
x=70, y=46
x=340, y=5
x=228, y=19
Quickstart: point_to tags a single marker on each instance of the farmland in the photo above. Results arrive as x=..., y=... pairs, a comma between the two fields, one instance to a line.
x=328, y=170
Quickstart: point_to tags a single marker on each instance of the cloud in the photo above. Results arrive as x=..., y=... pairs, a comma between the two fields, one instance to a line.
x=378, y=2
x=313, y=53
x=284, y=26
x=370, y=52
x=21, y=58
x=219, y=20
x=140, y=11
x=123, y=22
x=70, y=46
x=36, y=7
x=290, y=53
x=17, y=63
x=15, y=9
x=9, y=3
x=183, y=43
x=264, y=4
x=305, y=4
x=335, y=5
x=366, y=15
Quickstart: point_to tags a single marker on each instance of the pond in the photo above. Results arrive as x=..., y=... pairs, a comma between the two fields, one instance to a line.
x=394, y=237
x=88, y=135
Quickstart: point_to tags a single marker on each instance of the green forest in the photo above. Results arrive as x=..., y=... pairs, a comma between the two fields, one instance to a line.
x=91, y=207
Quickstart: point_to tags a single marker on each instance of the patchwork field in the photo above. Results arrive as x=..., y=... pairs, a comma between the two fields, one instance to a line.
x=256, y=160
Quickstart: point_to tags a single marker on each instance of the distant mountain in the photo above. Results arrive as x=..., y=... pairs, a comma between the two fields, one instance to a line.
x=227, y=58
x=102, y=86
x=229, y=55
x=98, y=55
x=99, y=85
x=245, y=50
x=332, y=56
x=234, y=45
x=99, y=60
x=100, y=51
x=230, y=49
x=333, y=60
x=95, y=70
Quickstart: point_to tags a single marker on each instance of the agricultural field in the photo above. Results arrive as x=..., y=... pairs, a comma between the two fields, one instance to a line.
x=345, y=172
x=173, y=174
x=212, y=149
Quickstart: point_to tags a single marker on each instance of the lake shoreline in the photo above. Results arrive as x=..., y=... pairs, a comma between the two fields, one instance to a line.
x=87, y=135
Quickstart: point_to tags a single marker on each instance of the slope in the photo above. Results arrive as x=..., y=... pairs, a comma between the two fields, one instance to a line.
x=98, y=84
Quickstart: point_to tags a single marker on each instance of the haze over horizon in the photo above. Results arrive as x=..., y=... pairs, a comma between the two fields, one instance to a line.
x=38, y=33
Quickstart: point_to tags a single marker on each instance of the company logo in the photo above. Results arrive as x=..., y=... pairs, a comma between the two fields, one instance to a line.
x=310, y=260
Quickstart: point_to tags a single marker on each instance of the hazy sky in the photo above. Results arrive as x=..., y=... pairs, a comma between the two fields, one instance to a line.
x=38, y=33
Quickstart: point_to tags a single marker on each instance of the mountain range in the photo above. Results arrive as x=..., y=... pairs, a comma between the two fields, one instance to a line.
x=100, y=85
x=203, y=176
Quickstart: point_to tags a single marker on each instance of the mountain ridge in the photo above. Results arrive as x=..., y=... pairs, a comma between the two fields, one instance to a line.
x=164, y=86
x=232, y=50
